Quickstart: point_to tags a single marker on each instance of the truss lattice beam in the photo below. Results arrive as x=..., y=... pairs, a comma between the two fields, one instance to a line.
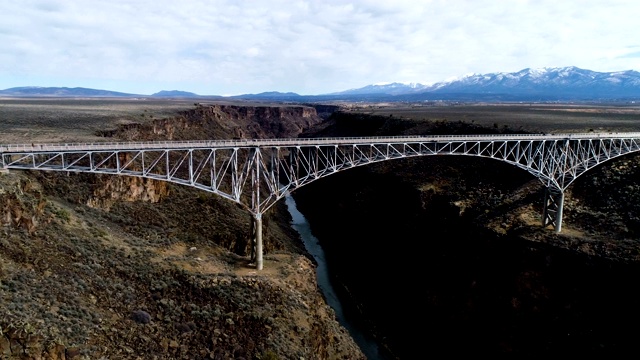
x=231, y=168
x=257, y=173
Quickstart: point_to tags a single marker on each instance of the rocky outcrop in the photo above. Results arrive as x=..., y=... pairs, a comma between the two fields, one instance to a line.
x=18, y=211
x=223, y=122
x=110, y=189
x=17, y=342
x=202, y=122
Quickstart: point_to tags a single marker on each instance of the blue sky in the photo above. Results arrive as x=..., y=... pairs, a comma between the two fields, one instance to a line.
x=226, y=47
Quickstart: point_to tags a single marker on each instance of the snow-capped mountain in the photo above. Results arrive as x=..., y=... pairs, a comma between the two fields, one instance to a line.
x=545, y=84
x=548, y=83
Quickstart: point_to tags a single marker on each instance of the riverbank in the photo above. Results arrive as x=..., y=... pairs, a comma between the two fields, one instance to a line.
x=349, y=319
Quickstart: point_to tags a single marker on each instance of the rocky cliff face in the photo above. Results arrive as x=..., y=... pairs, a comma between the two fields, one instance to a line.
x=113, y=189
x=117, y=267
x=201, y=123
x=223, y=122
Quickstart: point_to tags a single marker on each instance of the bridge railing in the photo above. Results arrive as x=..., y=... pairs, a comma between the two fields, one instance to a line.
x=161, y=145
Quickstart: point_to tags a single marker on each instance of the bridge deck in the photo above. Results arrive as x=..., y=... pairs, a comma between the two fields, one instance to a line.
x=297, y=141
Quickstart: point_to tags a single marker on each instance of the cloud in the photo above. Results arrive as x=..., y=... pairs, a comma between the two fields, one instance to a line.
x=631, y=55
x=306, y=46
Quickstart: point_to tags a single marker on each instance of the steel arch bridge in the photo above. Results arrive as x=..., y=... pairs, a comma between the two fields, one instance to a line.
x=256, y=173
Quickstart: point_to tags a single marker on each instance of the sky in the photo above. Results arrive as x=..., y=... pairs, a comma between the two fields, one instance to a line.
x=310, y=47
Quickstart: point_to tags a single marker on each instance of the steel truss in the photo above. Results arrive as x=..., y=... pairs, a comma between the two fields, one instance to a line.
x=257, y=173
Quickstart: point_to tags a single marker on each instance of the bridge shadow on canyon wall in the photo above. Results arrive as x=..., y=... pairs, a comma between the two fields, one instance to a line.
x=437, y=254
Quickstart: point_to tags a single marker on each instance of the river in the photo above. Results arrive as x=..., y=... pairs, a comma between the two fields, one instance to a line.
x=299, y=223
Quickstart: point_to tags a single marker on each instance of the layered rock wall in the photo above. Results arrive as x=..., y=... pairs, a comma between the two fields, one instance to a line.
x=223, y=122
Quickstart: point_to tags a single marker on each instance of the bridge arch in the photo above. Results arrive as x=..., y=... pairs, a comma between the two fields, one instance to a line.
x=257, y=173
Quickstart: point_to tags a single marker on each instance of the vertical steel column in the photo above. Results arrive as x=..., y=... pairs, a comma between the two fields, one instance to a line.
x=166, y=165
x=257, y=212
x=191, y=176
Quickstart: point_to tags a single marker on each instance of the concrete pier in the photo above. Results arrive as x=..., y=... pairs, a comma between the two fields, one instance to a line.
x=257, y=226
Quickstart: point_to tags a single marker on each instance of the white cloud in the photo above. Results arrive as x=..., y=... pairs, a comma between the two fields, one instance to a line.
x=306, y=46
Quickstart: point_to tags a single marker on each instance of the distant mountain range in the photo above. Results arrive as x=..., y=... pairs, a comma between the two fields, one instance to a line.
x=28, y=91
x=567, y=83
x=546, y=84
x=60, y=92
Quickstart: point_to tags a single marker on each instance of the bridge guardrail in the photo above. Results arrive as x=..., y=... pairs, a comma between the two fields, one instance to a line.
x=137, y=145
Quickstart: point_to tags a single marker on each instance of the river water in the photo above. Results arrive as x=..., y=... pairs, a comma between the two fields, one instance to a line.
x=299, y=223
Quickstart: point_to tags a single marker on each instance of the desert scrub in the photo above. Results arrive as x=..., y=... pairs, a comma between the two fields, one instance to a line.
x=269, y=355
x=65, y=322
x=61, y=214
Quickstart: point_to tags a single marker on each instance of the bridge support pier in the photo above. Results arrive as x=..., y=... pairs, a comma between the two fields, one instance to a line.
x=560, y=201
x=553, y=205
x=257, y=228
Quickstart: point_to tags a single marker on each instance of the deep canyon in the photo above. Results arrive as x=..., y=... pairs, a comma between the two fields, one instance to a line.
x=446, y=255
x=440, y=255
